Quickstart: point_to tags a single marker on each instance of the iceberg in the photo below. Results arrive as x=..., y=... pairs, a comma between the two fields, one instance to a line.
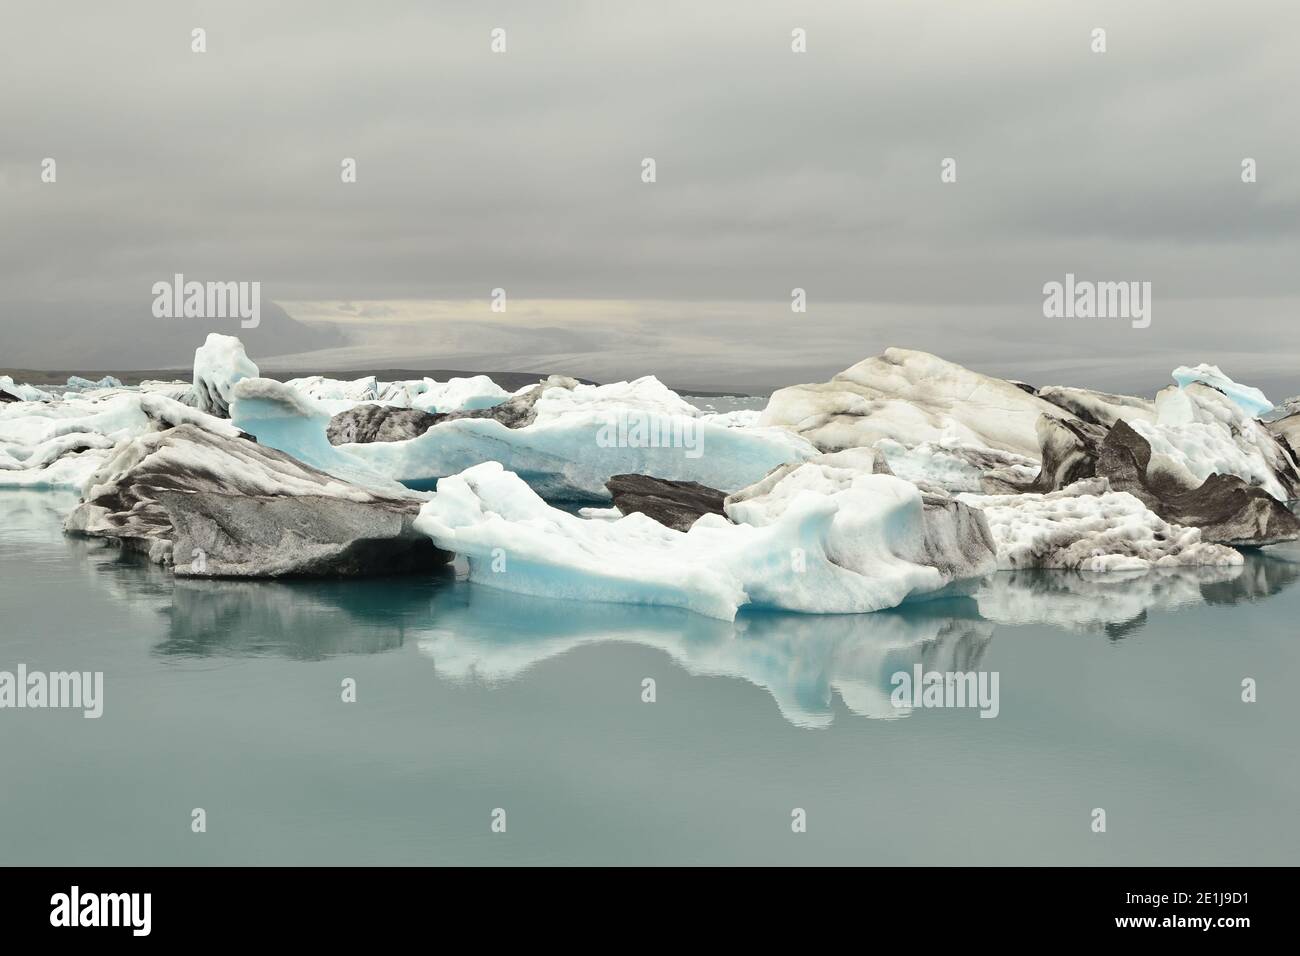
x=208, y=505
x=459, y=394
x=818, y=539
x=60, y=444
x=1199, y=432
x=219, y=363
x=282, y=417
x=573, y=438
x=1250, y=400
x=912, y=397
x=10, y=391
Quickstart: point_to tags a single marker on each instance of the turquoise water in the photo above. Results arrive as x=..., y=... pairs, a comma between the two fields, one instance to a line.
x=1119, y=694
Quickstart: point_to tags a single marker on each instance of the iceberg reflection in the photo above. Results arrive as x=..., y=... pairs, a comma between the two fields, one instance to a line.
x=805, y=661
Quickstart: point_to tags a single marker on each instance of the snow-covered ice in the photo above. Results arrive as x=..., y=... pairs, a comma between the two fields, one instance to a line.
x=1199, y=431
x=1088, y=527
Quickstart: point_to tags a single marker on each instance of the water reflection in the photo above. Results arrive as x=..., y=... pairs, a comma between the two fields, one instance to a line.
x=472, y=633
x=1117, y=604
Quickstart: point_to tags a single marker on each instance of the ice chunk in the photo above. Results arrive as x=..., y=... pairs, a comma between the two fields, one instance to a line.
x=858, y=548
x=60, y=443
x=1088, y=527
x=459, y=395
x=578, y=438
x=1199, y=432
x=212, y=505
x=1250, y=400
x=78, y=383
x=219, y=363
x=284, y=418
x=10, y=390
x=911, y=398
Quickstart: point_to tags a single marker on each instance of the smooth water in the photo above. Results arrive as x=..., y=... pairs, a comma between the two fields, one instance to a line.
x=1122, y=694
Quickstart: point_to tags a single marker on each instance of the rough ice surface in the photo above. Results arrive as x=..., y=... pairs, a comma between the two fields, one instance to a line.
x=219, y=363
x=737, y=418
x=1199, y=431
x=954, y=468
x=364, y=389
x=1251, y=400
x=60, y=444
x=1099, y=408
x=284, y=418
x=210, y=505
x=459, y=394
x=581, y=437
x=427, y=394
x=848, y=551
x=912, y=397
x=1088, y=527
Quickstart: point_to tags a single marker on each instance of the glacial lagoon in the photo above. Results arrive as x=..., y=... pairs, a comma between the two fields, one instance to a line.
x=1118, y=692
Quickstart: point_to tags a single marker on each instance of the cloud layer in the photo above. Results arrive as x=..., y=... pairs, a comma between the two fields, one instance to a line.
x=775, y=170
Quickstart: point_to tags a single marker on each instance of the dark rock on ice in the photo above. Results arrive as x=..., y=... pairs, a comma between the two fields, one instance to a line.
x=1226, y=508
x=371, y=423
x=676, y=504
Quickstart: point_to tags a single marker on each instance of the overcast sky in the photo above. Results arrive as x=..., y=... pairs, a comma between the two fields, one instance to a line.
x=522, y=170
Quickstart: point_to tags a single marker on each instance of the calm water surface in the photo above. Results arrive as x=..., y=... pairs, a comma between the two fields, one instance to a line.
x=1120, y=694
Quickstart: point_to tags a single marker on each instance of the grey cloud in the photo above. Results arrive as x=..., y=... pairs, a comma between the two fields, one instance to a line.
x=775, y=170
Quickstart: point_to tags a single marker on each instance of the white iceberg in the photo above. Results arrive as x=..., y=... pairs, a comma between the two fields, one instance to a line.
x=824, y=540
x=219, y=363
x=23, y=392
x=460, y=394
x=1250, y=400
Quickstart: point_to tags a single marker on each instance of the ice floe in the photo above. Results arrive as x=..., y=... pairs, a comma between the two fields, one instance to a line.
x=819, y=539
